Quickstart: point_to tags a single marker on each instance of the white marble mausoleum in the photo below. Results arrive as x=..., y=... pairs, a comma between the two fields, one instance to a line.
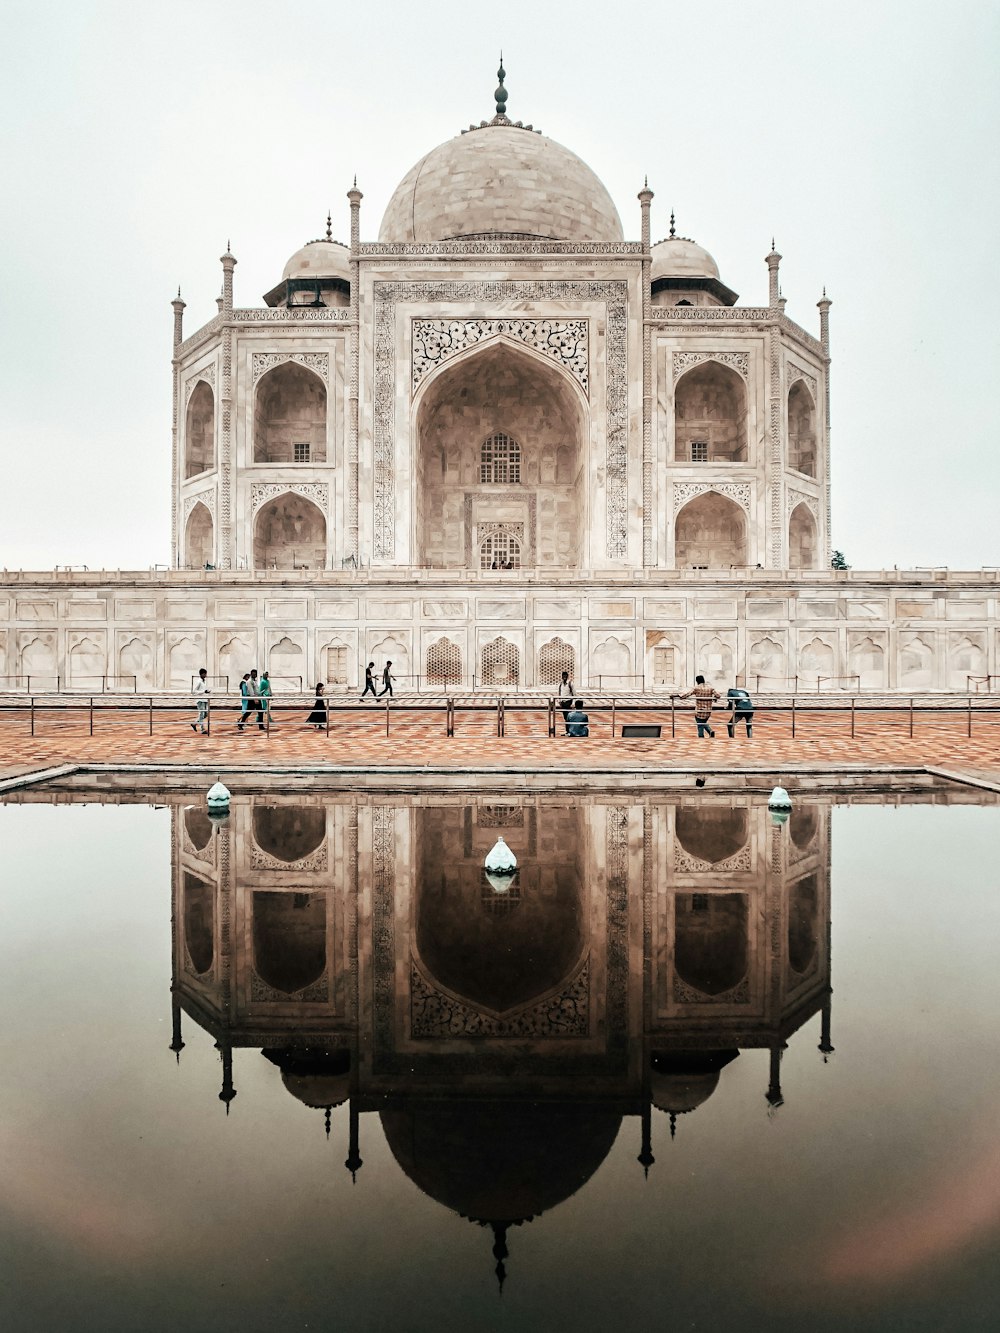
x=499, y=442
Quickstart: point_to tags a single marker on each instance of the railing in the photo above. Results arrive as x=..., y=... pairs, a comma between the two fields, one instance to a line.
x=980, y=684
x=793, y=715
x=80, y=683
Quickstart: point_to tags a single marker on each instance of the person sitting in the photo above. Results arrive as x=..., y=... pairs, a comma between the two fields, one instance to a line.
x=577, y=721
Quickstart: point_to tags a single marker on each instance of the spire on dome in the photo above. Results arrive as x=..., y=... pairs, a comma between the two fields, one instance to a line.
x=329, y=225
x=500, y=1252
x=501, y=92
x=673, y=225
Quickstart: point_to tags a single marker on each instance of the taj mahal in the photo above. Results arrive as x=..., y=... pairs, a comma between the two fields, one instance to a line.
x=499, y=442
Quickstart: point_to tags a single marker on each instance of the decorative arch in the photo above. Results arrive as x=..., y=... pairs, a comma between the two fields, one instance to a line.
x=555, y=657
x=289, y=833
x=185, y=658
x=711, y=947
x=714, y=660
x=712, y=833
x=611, y=665
x=335, y=667
x=916, y=663
x=289, y=423
x=501, y=663
x=816, y=658
x=135, y=658
x=966, y=658
x=199, y=923
x=767, y=665
x=803, y=925
x=500, y=548
x=803, y=545
x=236, y=657
x=710, y=414
x=443, y=666
x=801, y=429
x=289, y=533
x=710, y=532
x=87, y=664
x=499, y=412
x=286, y=664
x=390, y=649
x=199, y=431
x=289, y=940
x=199, y=537
x=866, y=660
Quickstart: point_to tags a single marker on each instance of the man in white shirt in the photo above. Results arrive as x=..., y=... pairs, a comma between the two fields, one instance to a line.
x=201, y=692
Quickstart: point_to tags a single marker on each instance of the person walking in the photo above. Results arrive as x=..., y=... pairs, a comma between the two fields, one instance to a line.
x=265, y=701
x=253, y=697
x=201, y=692
x=387, y=681
x=565, y=695
x=244, y=701
x=742, y=710
x=317, y=718
x=704, y=697
x=369, y=683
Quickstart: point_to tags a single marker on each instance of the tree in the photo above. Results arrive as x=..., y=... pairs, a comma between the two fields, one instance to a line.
x=837, y=561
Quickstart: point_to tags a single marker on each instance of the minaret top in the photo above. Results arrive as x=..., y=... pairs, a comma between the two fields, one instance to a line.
x=501, y=94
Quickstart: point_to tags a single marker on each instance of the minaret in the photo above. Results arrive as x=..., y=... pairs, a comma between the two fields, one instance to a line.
x=353, y=1162
x=228, y=1091
x=825, y=1044
x=646, y=1158
x=355, y=196
x=773, y=1095
x=645, y=199
x=824, y=305
x=225, y=540
x=179, y=307
x=500, y=1252
x=774, y=291
x=176, y=1043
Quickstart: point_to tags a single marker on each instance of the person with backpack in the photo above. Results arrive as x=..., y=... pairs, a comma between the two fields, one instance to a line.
x=742, y=710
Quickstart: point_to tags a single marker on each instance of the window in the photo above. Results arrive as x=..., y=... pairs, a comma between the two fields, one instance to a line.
x=302, y=451
x=699, y=902
x=500, y=550
x=663, y=666
x=336, y=665
x=500, y=460
x=444, y=663
x=699, y=451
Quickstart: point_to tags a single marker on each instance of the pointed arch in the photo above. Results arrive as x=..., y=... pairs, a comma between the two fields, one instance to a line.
x=199, y=538
x=555, y=657
x=289, y=532
x=710, y=415
x=443, y=666
x=199, y=431
x=710, y=532
x=501, y=663
x=803, y=545
x=801, y=429
x=289, y=423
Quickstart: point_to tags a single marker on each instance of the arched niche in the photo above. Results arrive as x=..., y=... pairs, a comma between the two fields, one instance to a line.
x=199, y=538
x=499, y=961
x=289, y=422
x=803, y=924
x=289, y=833
x=289, y=939
x=87, y=665
x=199, y=923
x=817, y=659
x=136, y=660
x=286, y=665
x=289, y=533
x=554, y=658
x=802, y=541
x=391, y=650
x=966, y=658
x=710, y=532
x=712, y=833
x=501, y=663
x=611, y=665
x=198, y=827
x=500, y=393
x=236, y=657
x=185, y=659
x=801, y=431
x=804, y=826
x=199, y=431
x=767, y=666
x=916, y=663
x=714, y=661
x=866, y=660
x=711, y=948
x=710, y=415
x=443, y=665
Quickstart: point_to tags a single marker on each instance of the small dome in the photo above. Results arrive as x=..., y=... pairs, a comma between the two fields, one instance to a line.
x=316, y=1077
x=500, y=178
x=319, y=259
x=677, y=257
x=680, y=1093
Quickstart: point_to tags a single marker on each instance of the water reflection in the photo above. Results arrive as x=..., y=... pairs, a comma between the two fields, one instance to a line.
x=502, y=1038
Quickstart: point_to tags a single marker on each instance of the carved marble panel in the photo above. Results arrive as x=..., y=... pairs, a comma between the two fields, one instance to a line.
x=738, y=361
x=319, y=362
x=564, y=341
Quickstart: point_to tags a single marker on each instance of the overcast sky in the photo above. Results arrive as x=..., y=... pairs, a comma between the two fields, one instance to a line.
x=139, y=137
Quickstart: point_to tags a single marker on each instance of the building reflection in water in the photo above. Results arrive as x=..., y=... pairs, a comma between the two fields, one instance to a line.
x=502, y=1036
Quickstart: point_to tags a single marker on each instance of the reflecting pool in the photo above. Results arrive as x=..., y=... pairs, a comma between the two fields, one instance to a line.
x=307, y=1067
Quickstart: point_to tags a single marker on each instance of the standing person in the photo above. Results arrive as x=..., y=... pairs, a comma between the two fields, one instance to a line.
x=253, y=698
x=704, y=697
x=742, y=706
x=578, y=723
x=386, y=681
x=244, y=700
x=317, y=717
x=565, y=698
x=265, y=700
x=369, y=682
x=202, y=692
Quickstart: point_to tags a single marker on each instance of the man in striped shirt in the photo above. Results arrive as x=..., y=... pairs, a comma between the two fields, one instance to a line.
x=704, y=697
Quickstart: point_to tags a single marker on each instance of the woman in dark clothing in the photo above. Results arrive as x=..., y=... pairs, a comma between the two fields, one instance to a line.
x=318, y=715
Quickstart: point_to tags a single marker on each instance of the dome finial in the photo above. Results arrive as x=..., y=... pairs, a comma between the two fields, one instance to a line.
x=500, y=1253
x=673, y=225
x=501, y=93
x=329, y=225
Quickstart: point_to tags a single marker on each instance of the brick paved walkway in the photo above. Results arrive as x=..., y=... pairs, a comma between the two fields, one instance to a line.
x=418, y=739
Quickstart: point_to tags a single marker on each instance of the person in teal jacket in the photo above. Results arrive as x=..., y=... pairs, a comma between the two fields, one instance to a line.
x=265, y=699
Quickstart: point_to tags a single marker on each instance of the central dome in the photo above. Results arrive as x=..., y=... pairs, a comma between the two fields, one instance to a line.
x=500, y=178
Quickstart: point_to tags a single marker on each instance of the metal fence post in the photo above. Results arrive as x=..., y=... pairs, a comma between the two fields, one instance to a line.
x=852, y=716
x=151, y=715
x=91, y=715
x=387, y=717
x=968, y=727
x=673, y=719
x=208, y=717
x=793, y=717
x=32, y=715
x=612, y=718
x=911, y=719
